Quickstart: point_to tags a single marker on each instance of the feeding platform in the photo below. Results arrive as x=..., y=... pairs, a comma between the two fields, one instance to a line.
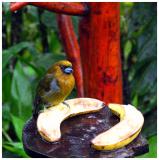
x=77, y=133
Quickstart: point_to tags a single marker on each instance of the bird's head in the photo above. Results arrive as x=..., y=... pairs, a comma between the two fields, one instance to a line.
x=62, y=67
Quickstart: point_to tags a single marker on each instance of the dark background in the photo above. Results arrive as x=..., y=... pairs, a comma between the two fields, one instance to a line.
x=31, y=43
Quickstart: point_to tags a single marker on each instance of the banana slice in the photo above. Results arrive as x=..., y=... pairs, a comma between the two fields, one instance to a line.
x=131, y=122
x=48, y=122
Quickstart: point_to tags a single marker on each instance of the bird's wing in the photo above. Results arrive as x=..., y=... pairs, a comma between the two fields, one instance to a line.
x=47, y=86
x=54, y=86
x=44, y=84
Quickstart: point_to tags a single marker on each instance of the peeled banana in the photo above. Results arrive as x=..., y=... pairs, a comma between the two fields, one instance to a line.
x=49, y=121
x=131, y=122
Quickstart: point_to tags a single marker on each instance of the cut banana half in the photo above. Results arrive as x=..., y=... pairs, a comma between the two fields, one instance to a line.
x=131, y=122
x=49, y=121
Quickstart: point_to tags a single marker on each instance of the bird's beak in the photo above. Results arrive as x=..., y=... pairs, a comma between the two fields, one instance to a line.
x=68, y=70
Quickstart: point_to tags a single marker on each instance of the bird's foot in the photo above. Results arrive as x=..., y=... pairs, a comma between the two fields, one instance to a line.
x=41, y=111
x=66, y=104
x=44, y=109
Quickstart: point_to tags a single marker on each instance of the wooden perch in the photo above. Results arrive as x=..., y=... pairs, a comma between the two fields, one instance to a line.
x=72, y=49
x=70, y=8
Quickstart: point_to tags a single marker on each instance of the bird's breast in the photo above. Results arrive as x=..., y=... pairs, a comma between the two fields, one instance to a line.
x=66, y=84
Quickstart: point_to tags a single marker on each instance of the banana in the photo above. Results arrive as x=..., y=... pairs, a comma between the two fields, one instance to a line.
x=118, y=110
x=49, y=121
x=129, y=127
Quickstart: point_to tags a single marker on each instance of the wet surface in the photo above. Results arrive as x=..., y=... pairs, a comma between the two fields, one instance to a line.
x=77, y=132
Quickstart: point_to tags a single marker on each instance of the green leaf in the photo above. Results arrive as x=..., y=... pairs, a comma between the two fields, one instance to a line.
x=30, y=71
x=144, y=81
x=18, y=124
x=147, y=43
x=6, y=116
x=16, y=147
x=6, y=136
x=54, y=42
x=127, y=49
x=12, y=51
x=6, y=7
x=135, y=101
x=6, y=56
x=8, y=154
x=21, y=93
x=141, y=14
x=46, y=60
x=32, y=14
x=6, y=87
x=125, y=8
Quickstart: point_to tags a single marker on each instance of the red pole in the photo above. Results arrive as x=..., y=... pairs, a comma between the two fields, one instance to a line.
x=72, y=49
x=71, y=8
x=100, y=52
x=14, y=6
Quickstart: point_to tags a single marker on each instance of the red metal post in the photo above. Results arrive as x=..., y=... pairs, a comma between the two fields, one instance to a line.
x=100, y=52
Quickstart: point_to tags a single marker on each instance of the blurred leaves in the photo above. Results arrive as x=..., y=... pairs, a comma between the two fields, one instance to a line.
x=13, y=51
x=127, y=49
x=18, y=126
x=139, y=48
x=140, y=52
x=15, y=147
x=49, y=20
x=44, y=61
x=6, y=116
x=21, y=93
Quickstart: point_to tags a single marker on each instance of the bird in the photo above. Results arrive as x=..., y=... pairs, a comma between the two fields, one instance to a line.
x=54, y=87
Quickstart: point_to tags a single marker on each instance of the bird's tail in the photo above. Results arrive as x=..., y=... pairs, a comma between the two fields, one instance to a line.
x=35, y=113
x=36, y=107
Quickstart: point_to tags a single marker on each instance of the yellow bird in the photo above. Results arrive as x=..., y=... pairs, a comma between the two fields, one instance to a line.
x=54, y=87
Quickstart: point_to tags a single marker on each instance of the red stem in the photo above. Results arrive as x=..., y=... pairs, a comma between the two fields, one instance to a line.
x=72, y=50
x=100, y=52
x=71, y=8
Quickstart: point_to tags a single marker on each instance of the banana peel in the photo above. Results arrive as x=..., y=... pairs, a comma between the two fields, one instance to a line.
x=129, y=127
x=49, y=121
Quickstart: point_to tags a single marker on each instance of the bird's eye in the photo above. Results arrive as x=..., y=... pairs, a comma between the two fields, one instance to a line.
x=62, y=68
x=66, y=70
